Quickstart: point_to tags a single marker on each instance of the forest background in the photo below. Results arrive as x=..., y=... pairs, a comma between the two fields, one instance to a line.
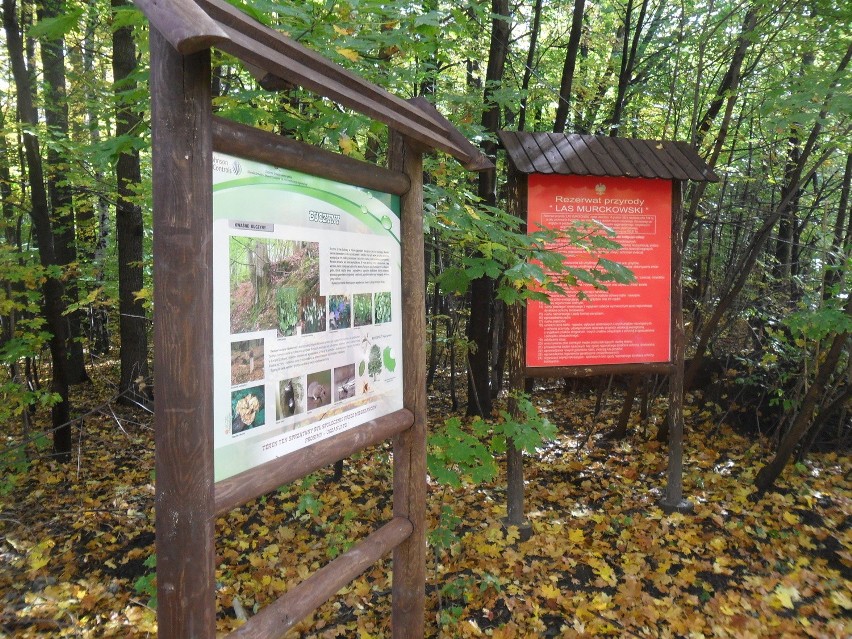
x=761, y=89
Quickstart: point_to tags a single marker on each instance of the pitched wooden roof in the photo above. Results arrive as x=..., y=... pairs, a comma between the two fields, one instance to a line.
x=194, y=25
x=575, y=154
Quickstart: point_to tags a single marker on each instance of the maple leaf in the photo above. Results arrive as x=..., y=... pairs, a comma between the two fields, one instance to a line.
x=785, y=596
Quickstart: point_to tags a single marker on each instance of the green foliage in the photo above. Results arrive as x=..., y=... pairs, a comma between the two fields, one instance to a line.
x=374, y=365
x=363, y=309
x=383, y=307
x=146, y=585
x=456, y=453
x=460, y=452
x=287, y=306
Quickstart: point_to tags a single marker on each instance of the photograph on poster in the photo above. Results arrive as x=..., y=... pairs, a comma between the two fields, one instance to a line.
x=344, y=382
x=306, y=310
x=319, y=390
x=247, y=358
x=339, y=312
x=363, y=309
x=290, y=399
x=247, y=409
x=382, y=303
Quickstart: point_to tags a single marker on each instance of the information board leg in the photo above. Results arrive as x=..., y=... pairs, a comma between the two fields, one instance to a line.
x=673, y=500
x=409, y=448
x=183, y=299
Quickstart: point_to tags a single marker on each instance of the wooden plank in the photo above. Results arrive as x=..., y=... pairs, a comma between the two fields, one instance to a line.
x=634, y=154
x=183, y=24
x=660, y=151
x=663, y=368
x=566, y=150
x=237, y=490
x=651, y=151
x=273, y=621
x=609, y=165
x=409, y=448
x=319, y=67
x=478, y=160
x=613, y=148
x=516, y=152
x=244, y=48
x=585, y=155
x=183, y=338
x=535, y=154
x=263, y=146
x=694, y=164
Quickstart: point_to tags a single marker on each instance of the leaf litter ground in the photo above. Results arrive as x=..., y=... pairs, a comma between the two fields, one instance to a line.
x=76, y=540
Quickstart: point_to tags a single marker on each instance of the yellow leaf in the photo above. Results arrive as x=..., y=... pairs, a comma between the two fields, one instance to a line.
x=790, y=518
x=786, y=595
x=39, y=554
x=576, y=536
x=347, y=144
x=349, y=54
x=841, y=599
x=549, y=591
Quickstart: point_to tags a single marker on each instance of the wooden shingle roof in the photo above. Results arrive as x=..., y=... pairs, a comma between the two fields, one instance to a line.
x=191, y=26
x=599, y=155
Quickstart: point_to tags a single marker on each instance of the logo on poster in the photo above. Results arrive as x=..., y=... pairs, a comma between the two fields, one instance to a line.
x=600, y=188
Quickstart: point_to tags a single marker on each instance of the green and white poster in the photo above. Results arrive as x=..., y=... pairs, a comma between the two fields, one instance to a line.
x=307, y=337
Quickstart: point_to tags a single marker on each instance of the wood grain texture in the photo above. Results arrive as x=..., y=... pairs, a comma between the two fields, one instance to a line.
x=409, y=450
x=183, y=24
x=674, y=487
x=262, y=146
x=273, y=621
x=663, y=368
x=183, y=335
x=235, y=491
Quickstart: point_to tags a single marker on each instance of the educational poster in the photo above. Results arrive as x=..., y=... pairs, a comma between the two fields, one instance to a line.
x=629, y=323
x=306, y=310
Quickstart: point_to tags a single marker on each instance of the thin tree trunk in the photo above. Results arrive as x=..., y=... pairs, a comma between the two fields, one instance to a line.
x=769, y=473
x=132, y=323
x=52, y=289
x=482, y=289
x=567, y=82
x=525, y=83
x=60, y=197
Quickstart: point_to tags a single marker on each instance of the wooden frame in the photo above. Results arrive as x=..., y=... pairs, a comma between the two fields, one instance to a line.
x=185, y=134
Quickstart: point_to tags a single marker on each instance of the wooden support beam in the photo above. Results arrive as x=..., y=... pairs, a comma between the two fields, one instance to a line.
x=409, y=448
x=183, y=24
x=262, y=146
x=273, y=621
x=673, y=499
x=183, y=338
x=662, y=368
x=237, y=490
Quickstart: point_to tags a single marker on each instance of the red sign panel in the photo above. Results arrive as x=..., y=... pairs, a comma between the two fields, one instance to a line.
x=629, y=323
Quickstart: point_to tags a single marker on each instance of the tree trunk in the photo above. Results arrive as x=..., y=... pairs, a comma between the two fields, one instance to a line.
x=769, y=473
x=525, y=83
x=132, y=322
x=482, y=289
x=52, y=289
x=570, y=64
x=60, y=197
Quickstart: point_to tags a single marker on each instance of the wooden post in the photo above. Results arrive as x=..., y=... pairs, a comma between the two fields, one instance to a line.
x=409, y=447
x=183, y=298
x=673, y=499
x=517, y=205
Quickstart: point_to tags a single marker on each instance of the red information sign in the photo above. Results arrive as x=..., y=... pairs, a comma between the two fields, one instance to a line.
x=629, y=323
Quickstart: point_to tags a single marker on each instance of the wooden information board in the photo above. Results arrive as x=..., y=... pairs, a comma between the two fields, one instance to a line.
x=628, y=323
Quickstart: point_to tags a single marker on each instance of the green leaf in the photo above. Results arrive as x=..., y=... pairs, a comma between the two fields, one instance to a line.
x=55, y=28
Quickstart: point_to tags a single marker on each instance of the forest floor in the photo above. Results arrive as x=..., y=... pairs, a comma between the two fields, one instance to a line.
x=76, y=539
